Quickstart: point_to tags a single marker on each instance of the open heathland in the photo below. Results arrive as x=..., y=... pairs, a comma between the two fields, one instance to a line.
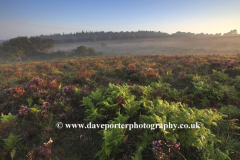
x=151, y=89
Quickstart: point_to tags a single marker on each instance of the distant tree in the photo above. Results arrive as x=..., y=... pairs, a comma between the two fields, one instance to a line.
x=91, y=51
x=103, y=44
x=42, y=45
x=109, y=37
x=16, y=48
x=82, y=51
x=233, y=31
x=60, y=40
x=74, y=39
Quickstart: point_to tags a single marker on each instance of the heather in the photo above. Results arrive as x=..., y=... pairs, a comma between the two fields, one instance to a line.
x=150, y=89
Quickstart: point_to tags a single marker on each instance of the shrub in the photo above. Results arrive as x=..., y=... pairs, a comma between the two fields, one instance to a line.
x=91, y=51
x=82, y=51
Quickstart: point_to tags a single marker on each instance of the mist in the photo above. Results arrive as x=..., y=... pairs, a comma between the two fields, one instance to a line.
x=205, y=45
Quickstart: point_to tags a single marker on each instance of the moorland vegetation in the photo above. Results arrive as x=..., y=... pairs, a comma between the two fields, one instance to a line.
x=153, y=89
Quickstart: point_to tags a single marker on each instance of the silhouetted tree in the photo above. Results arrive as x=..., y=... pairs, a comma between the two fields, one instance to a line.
x=91, y=51
x=16, y=48
x=74, y=39
x=42, y=45
x=231, y=33
x=82, y=51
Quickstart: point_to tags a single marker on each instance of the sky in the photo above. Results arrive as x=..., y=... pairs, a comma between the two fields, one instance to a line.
x=34, y=18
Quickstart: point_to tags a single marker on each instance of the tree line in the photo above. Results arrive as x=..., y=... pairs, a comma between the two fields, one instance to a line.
x=104, y=36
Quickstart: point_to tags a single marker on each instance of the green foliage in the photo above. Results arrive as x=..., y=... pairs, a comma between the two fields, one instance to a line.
x=77, y=91
x=35, y=109
x=118, y=103
x=42, y=45
x=231, y=143
x=20, y=47
x=40, y=101
x=16, y=47
x=60, y=87
x=208, y=91
x=220, y=76
x=113, y=142
x=202, y=87
x=197, y=78
x=10, y=142
x=230, y=110
x=212, y=152
x=82, y=51
x=91, y=51
x=13, y=152
x=29, y=101
x=8, y=117
x=229, y=91
x=237, y=79
x=62, y=103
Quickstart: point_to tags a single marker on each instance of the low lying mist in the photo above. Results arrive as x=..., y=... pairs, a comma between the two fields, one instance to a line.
x=206, y=45
x=169, y=46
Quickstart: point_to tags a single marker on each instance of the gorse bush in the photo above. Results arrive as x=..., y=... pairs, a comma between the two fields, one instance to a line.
x=118, y=105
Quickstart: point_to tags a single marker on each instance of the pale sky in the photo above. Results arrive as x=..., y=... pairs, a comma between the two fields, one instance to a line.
x=33, y=18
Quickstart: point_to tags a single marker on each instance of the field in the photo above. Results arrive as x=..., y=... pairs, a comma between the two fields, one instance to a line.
x=170, y=82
